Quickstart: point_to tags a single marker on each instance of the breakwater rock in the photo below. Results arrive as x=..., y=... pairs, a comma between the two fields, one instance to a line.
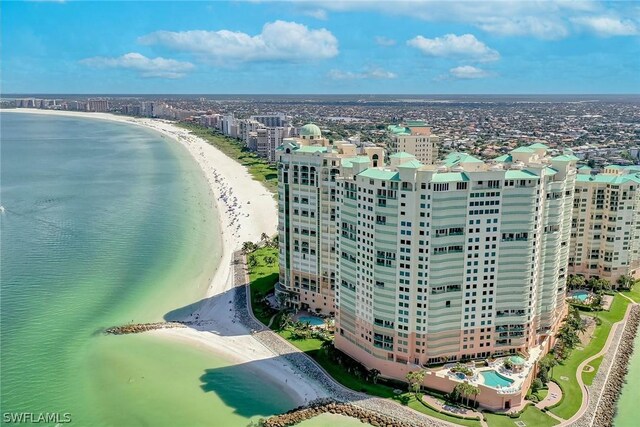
x=136, y=328
x=322, y=406
x=606, y=409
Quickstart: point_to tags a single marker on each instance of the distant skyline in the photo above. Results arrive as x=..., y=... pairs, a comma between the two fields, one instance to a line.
x=313, y=47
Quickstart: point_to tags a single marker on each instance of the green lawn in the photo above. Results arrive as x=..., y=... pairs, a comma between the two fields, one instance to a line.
x=572, y=393
x=542, y=393
x=634, y=293
x=312, y=347
x=263, y=277
x=587, y=377
x=532, y=417
x=259, y=168
x=413, y=403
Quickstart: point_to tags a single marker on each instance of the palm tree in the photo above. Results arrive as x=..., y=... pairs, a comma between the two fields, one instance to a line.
x=286, y=320
x=625, y=282
x=415, y=379
x=264, y=237
x=374, y=373
x=576, y=281
x=457, y=392
x=248, y=247
x=475, y=391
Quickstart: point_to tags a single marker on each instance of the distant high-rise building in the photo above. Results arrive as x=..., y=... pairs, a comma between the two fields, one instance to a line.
x=272, y=120
x=98, y=105
x=605, y=235
x=415, y=137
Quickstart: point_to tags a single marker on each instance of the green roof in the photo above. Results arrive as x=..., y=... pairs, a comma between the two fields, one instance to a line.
x=399, y=130
x=311, y=149
x=584, y=167
x=539, y=145
x=310, y=130
x=609, y=179
x=411, y=164
x=504, y=159
x=401, y=155
x=565, y=158
x=516, y=174
x=375, y=173
x=450, y=177
x=523, y=150
x=360, y=159
x=618, y=167
x=550, y=171
x=416, y=123
x=454, y=158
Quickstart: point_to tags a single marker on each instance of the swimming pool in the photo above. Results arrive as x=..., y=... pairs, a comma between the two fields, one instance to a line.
x=580, y=295
x=494, y=379
x=312, y=320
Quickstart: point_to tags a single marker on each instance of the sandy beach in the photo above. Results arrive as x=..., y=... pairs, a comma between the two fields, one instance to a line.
x=246, y=209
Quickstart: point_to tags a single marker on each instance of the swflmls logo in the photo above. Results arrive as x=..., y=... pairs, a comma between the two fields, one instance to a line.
x=36, y=418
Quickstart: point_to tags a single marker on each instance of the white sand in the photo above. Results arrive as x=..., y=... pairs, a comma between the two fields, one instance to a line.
x=240, y=221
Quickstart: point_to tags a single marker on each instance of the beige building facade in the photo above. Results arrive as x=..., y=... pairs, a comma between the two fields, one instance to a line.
x=605, y=235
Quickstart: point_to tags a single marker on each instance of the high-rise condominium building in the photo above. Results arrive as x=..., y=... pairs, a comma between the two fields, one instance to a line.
x=272, y=120
x=432, y=264
x=463, y=260
x=415, y=137
x=308, y=201
x=98, y=105
x=605, y=235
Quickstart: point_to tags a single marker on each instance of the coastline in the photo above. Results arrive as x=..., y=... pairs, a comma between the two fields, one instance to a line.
x=245, y=209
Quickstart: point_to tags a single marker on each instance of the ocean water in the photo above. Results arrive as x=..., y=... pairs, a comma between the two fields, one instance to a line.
x=628, y=403
x=104, y=224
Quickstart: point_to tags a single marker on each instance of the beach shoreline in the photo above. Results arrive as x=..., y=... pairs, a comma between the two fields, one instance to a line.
x=246, y=209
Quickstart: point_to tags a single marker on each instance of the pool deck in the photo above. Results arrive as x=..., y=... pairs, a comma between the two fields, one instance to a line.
x=518, y=378
x=298, y=317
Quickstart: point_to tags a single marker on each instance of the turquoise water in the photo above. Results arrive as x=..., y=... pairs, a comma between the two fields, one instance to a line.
x=312, y=320
x=494, y=379
x=582, y=296
x=104, y=224
x=628, y=404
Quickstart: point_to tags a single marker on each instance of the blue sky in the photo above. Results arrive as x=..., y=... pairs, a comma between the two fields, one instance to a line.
x=358, y=46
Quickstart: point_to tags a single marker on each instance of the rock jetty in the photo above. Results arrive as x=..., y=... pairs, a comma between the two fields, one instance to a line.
x=136, y=328
x=606, y=409
x=322, y=406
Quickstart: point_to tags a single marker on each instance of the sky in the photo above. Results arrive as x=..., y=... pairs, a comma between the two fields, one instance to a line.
x=320, y=47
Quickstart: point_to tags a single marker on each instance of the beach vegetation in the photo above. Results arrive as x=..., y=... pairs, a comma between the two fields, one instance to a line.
x=415, y=379
x=263, y=276
x=259, y=168
x=564, y=374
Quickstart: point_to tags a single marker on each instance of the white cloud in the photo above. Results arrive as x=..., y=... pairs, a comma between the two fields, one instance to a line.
x=279, y=40
x=320, y=14
x=544, y=19
x=468, y=72
x=374, y=73
x=147, y=67
x=606, y=26
x=384, y=41
x=451, y=45
x=540, y=27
